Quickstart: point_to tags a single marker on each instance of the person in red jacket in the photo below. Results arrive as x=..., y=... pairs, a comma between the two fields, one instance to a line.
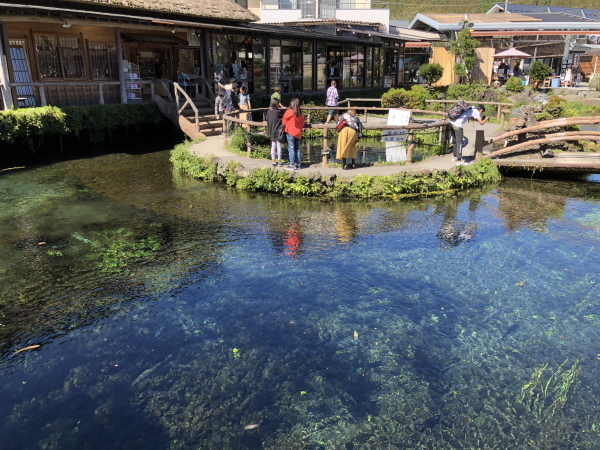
x=293, y=122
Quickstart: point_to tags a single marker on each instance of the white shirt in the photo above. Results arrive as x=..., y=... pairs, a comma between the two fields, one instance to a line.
x=472, y=113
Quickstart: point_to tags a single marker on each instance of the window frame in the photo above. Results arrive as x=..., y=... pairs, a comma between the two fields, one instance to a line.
x=91, y=62
x=58, y=37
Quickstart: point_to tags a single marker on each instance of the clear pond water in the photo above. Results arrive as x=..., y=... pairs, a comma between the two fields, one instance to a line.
x=175, y=314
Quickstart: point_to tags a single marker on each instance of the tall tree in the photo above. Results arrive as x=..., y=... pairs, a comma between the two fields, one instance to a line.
x=464, y=47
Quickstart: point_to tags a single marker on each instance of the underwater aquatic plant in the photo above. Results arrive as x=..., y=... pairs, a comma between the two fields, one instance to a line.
x=545, y=397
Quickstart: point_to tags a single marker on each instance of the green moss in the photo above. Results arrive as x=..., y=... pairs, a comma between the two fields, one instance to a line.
x=361, y=186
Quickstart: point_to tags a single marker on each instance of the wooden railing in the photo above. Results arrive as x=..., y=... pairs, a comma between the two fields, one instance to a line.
x=42, y=88
x=498, y=105
x=441, y=124
x=188, y=102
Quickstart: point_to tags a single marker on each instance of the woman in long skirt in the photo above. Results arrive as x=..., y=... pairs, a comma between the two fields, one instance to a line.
x=347, y=145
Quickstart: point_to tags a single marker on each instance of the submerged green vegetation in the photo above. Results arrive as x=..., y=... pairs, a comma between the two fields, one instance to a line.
x=360, y=186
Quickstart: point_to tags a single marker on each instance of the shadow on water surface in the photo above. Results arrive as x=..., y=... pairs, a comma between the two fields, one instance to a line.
x=172, y=313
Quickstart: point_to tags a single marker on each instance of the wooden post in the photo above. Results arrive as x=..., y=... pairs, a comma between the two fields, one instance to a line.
x=152, y=90
x=224, y=131
x=120, y=67
x=101, y=94
x=499, y=108
x=248, y=146
x=308, y=117
x=411, y=146
x=365, y=115
x=42, y=92
x=479, y=142
x=325, y=151
x=6, y=69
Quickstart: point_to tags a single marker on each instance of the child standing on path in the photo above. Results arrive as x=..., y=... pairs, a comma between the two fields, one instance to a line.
x=274, y=115
x=276, y=94
x=293, y=122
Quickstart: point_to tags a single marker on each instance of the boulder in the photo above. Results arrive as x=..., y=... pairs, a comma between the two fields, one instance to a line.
x=489, y=95
x=522, y=97
x=592, y=94
x=541, y=98
x=591, y=101
x=572, y=98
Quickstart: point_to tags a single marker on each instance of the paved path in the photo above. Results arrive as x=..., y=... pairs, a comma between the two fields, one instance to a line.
x=214, y=145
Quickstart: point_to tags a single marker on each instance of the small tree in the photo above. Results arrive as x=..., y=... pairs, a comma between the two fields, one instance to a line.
x=431, y=73
x=539, y=71
x=514, y=84
x=464, y=47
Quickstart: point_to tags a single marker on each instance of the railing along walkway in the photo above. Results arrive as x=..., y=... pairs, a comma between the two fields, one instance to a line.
x=500, y=112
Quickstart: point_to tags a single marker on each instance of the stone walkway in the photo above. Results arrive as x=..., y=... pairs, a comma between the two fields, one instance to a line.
x=215, y=145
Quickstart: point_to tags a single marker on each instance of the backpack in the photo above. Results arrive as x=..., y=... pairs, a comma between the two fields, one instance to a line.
x=458, y=110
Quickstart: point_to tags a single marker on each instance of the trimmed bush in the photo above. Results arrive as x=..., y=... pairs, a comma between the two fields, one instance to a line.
x=514, y=84
x=413, y=99
x=431, y=73
x=539, y=71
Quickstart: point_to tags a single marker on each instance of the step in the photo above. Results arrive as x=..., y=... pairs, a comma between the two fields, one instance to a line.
x=205, y=121
x=211, y=132
x=189, y=110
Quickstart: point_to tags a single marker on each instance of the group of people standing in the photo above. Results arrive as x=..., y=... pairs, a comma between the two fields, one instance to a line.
x=285, y=126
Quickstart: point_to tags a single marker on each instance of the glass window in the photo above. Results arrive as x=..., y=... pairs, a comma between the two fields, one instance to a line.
x=307, y=66
x=321, y=66
x=59, y=57
x=346, y=66
x=259, y=63
x=275, y=63
x=218, y=55
x=103, y=60
x=369, y=66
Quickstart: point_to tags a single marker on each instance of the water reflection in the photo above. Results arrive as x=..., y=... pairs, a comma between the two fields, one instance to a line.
x=365, y=325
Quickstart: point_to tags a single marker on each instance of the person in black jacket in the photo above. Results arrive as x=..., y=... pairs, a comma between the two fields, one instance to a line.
x=230, y=103
x=273, y=116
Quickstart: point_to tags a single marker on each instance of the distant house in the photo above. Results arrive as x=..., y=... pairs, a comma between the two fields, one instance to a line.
x=550, y=37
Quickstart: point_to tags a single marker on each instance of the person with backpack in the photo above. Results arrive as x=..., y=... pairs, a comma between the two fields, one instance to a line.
x=459, y=115
x=293, y=123
x=273, y=116
x=350, y=129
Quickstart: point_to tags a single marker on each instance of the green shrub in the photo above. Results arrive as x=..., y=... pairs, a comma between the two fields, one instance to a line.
x=401, y=98
x=595, y=83
x=555, y=107
x=466, y=92
x=431, y=73
x=514, y=84
x=539, y=71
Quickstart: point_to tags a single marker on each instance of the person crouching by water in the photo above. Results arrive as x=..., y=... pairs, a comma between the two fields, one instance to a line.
x=347, y=144
x=273, y=116
x=293, y=122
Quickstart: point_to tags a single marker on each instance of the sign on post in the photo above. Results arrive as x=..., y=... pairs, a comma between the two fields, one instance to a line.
x=394, y=135
x=398, y=117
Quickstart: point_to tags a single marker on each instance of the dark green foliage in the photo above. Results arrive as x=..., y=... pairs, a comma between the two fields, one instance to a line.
x=514, y=84
x=432, y=73
x=555, y=107
x=318, y=98
x=360, y=186
x=412, y=99
x=464, y=47
x=466, y=92
x=539, y=71
x=28, y=125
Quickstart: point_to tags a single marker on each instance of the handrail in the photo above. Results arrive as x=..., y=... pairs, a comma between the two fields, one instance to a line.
x=562, y=122
x=557, y=137
x=188, y=101
x=496, y=104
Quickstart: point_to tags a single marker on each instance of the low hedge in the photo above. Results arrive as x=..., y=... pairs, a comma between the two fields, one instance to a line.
x=30, y=125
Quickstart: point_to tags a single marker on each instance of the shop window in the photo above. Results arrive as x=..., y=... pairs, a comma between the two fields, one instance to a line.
x=59, y=57
x=275, y=63
x=219, y=57
x=307, y=66
x=321, y=66
x=186, y=61
x=369, y=66
x=103, y=60
x=259, y=65
x=18, y=55
x=347, y=66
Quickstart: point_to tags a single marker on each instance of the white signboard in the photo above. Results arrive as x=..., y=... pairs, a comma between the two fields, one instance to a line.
x=398, y=117
x=395, y=152
x=394, y=135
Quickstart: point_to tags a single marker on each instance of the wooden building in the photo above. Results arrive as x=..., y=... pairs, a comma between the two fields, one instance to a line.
x=84, y=52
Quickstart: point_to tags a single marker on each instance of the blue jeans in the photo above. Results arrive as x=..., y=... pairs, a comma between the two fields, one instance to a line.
x=294, y=150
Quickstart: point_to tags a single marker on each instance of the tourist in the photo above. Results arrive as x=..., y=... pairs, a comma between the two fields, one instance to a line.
x=273, y=117
x=219, y=107
x=333, y=97
x=230, y=103
x=244, y=103
x=517, y=70
x=457, y=130
x=347, y=145
x=293, y=123
x=568, y=80
x=276, y=93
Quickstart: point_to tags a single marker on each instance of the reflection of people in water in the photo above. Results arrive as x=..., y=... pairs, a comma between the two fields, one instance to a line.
x=293, y=239
x=454, y=232
x=345, y=224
